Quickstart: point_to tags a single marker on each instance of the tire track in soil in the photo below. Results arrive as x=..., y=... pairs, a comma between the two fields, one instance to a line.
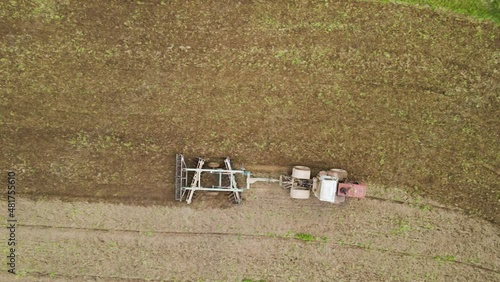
x=163, y=202
x=329, y=206
x=242, y=235
x=71, y=277
x=417, y=204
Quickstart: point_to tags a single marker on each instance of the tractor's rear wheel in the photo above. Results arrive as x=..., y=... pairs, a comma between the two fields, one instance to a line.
x=301, y=172
x=300, y=193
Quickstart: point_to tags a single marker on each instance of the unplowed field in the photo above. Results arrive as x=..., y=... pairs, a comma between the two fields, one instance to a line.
x=397, y=239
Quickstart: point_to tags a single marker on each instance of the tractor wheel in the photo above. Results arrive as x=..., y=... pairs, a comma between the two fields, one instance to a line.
x=301, y=172
x=300, y=193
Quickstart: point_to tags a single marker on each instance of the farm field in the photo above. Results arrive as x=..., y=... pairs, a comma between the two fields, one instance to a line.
x=96, y=98
x=270, y=237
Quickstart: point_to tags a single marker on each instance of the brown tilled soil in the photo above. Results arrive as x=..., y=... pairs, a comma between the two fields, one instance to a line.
x=96, y=98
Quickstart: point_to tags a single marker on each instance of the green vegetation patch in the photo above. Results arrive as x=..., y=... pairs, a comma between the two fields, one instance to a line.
x=305, y=237
x=482, y=9
x=302, y=236
x=445, y=258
